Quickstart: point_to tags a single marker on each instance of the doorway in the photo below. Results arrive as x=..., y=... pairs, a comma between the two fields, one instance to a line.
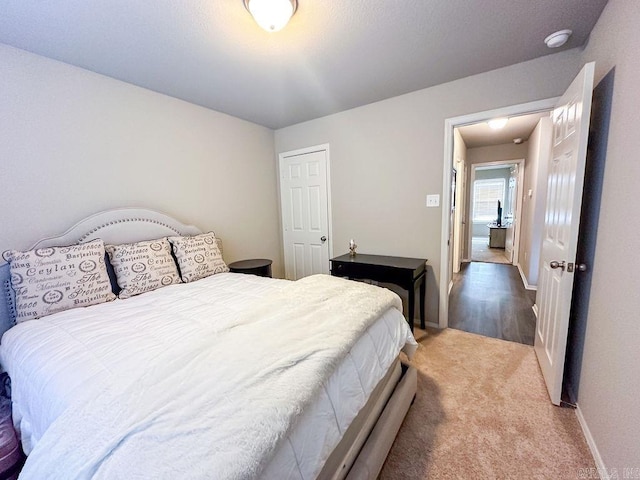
x=487, y=294
x=452, y=151
x=566, y=152
x=495, y=206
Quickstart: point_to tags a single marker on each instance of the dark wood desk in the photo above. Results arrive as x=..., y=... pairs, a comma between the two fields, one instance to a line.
x=407, y=273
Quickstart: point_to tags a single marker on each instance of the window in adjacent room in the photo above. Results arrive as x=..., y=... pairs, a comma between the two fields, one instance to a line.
x=486, y=194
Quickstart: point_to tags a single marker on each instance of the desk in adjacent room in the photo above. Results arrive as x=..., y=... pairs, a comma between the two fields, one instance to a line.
x=497, y=235
x=407, y=273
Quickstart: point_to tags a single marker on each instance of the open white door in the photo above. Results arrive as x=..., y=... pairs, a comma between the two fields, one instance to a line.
x=562, y=218
x=458, y=203
x=512, y=214
x=304, y=199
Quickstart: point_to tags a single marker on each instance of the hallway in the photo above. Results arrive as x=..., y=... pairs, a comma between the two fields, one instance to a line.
x=489, y=299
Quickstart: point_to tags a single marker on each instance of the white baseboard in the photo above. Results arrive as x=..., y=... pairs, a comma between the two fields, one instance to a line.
x=465, y=260
x=600, y=466
x=524, y=279
x=432, y=324
x=416, y=324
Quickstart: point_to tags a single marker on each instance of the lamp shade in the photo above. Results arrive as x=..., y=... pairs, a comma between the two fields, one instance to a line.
x=272, y=15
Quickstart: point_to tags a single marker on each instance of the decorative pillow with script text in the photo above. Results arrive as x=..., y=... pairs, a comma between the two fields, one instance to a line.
x=198, y=256
x=50, y=280
x=143, y=266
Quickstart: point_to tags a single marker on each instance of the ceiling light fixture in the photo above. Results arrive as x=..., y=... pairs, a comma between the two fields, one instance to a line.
x=497, y=123
x=558, y=38
x=272, y=15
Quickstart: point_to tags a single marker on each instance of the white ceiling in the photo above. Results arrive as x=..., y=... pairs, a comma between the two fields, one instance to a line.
x=481, y=135
x=333, y=55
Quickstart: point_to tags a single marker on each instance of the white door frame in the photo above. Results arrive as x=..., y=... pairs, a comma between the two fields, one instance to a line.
x=301, y=151
x=516, y=240
x=449, y=125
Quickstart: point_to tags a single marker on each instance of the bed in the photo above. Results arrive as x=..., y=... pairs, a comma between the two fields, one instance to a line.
x=229, y=376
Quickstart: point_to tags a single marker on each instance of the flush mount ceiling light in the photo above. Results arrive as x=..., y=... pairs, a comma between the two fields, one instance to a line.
x=497, y=123
x=272, y=15
x=558, y=38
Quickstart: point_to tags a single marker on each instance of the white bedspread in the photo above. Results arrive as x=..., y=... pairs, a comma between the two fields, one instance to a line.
x=180, y=406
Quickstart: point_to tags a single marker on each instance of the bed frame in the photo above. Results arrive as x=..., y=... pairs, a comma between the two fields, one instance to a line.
x=366, y=443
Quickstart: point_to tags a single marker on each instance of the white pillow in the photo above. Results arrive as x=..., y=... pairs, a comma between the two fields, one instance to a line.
x=143, y=266
x=198, y=256
x=50, y=280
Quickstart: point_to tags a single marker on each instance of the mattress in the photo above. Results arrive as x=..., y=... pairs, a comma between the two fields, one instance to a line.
x=68, y=356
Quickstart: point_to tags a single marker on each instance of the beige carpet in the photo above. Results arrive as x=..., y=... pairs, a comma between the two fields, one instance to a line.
x=480, y=251
x=482, y=412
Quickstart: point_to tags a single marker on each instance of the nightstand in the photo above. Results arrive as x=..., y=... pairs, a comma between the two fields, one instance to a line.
x=254, y=266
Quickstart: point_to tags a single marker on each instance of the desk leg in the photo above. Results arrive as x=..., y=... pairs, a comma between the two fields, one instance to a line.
x=412, y=304
x=423, y=288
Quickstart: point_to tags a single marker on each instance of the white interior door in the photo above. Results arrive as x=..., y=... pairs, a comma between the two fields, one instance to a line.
x=560, y=236
x=458, y=201
x=304, y=198
x=512, y=195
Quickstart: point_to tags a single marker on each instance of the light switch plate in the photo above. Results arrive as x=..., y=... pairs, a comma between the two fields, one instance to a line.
x=433, y=200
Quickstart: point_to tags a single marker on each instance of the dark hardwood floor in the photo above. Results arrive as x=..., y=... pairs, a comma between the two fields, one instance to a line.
x=490, y=299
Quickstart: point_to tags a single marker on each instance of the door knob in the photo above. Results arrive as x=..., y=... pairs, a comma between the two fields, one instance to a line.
x=556, y=264
x=581, y=267
x=323, y=238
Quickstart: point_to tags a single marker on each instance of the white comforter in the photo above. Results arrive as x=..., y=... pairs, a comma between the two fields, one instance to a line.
x=182, y=407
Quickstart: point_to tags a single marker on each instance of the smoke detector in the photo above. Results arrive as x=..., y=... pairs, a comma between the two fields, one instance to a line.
x=517, y=141
x=558, y=38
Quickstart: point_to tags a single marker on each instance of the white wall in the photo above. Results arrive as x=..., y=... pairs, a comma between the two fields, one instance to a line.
x=497, y=153
x=73, y=143
x=386, y=156
x=610, y=376
x=535, y=179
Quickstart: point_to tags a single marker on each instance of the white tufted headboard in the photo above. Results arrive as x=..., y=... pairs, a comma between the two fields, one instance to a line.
x=122, y=225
